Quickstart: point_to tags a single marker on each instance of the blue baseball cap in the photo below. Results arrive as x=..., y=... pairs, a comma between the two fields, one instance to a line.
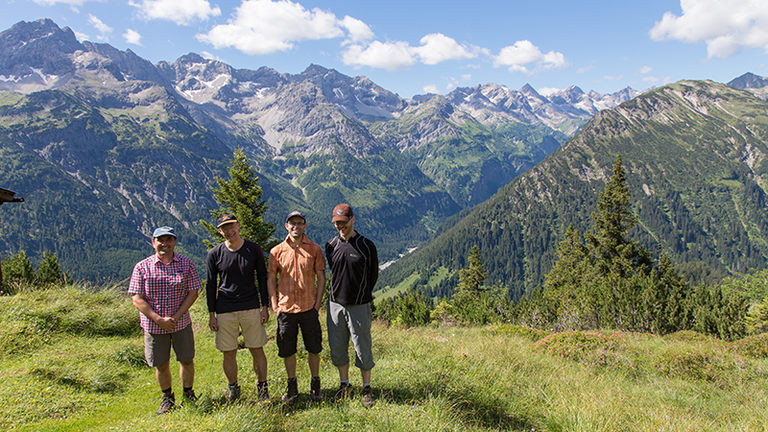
x=164, y=230
x=296, y=213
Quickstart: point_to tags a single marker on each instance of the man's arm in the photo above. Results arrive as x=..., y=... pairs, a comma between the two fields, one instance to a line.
x=189, y=300
x=272, y=288
x=211, y=289
x=165, y=323
x=373, y=269
x=320, y=285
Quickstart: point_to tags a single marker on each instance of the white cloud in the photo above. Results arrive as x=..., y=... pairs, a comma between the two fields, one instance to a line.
x=466, y=77
x=103, y=29
x=726, y=26
x=650, y=79
x=132, y=37
x=524, y=53
x=646, y=69
x=613, y=78
x=81, y=36
x=181, y=12
x=436, y=48
x=358, y=30
x=586, y=69
x=431, y=88
x=392, y=56
x=69, y=2
x=265, y=27
x=546, y=91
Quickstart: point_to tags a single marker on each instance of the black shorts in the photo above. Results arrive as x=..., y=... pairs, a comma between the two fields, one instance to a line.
x=288, y=332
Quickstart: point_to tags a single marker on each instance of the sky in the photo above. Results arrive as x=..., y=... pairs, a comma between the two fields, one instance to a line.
x=414, y=47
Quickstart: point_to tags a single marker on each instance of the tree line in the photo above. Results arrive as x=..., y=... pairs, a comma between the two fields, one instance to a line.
x=601, y=278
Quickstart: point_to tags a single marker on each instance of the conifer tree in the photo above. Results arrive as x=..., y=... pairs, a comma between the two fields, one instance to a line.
x=611, y=249
x=242, y=197
x=472, y=277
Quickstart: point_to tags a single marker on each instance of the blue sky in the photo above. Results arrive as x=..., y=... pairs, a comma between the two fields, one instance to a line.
x=413, y=47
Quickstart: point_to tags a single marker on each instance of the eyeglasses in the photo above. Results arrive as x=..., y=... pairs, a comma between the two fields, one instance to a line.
x=296, y=223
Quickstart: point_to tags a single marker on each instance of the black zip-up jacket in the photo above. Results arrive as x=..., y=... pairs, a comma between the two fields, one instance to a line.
x=354, y=269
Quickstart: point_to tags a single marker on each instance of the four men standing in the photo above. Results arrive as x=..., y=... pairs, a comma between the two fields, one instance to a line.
x=165, y=285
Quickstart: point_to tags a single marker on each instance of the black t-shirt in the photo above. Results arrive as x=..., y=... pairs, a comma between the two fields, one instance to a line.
x=354, y=269
x=232, y=277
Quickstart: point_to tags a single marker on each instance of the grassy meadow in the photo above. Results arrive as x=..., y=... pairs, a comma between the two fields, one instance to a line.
x=71, y=360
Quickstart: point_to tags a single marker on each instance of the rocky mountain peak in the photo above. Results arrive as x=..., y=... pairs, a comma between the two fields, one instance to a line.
x=748, y=80
x=39, y=48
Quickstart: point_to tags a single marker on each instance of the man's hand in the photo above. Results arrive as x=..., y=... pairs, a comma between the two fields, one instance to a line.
x=213, y=323
x=166, y=323
x=264, y=315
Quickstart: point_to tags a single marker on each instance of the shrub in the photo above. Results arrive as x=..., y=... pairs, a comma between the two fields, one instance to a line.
x=408, y=309
x=532, y=334
x=752, y=346
x=701, y=363
x=591, y=348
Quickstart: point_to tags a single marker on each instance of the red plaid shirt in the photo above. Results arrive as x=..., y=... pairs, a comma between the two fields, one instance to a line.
x=164, y=287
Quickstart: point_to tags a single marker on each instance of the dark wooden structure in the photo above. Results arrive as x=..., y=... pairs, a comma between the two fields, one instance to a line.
x=7, y=196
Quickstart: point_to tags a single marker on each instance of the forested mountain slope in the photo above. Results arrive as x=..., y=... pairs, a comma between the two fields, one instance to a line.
x=695, y=155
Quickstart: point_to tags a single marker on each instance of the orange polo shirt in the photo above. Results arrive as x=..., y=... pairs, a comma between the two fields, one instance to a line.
x=295, y=267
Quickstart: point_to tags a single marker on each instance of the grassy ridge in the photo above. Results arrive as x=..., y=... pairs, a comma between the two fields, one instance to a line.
x=81, y=376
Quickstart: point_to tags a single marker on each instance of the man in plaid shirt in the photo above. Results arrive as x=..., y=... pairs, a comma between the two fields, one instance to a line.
x=296, y=300
x=163, y=288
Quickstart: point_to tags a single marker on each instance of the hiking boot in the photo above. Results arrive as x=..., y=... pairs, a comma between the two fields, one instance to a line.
x=368, y=396
x=293, y=391
x=190, y=395
x=314, y=390
x=234, y=392
x=342, y=392
x=262, y=391
x=167, y=404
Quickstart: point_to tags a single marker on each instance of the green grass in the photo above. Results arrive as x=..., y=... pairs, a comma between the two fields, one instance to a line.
x=73, y=378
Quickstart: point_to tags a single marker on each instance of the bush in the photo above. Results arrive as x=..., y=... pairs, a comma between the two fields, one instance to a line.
x=590, y=348
x=408, y=309
x=532, y=334
x=694, y=363
x=753, y=346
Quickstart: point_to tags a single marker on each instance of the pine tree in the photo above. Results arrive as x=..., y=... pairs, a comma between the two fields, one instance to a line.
x=611, y=249
x=472, y=277
x=242, y=197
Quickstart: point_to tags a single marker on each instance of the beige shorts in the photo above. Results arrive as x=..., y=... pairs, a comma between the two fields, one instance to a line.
x=231, y=323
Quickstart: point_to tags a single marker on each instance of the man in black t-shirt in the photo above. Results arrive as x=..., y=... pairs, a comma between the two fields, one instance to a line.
x=236, y=302
x=354, y=265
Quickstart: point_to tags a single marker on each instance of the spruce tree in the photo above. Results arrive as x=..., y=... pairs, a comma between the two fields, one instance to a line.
x=242, y=197
x=472, y=277
x=611, y=249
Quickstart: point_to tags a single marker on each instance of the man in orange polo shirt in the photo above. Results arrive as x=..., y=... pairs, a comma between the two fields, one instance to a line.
x=295, y=281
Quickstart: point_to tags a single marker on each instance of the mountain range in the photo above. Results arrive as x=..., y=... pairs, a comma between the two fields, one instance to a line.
x=696, y=161
x=104, y=146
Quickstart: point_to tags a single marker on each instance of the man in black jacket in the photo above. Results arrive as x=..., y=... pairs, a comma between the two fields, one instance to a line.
x=236, y=302
x=354, y=266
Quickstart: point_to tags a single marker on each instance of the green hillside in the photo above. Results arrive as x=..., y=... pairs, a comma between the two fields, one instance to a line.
x=695, y=154
x=68, y=368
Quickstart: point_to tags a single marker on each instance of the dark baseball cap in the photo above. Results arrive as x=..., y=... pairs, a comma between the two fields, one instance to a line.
x=342, y=212
x=164, y=230
x=296, y=213
x=227, y=218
